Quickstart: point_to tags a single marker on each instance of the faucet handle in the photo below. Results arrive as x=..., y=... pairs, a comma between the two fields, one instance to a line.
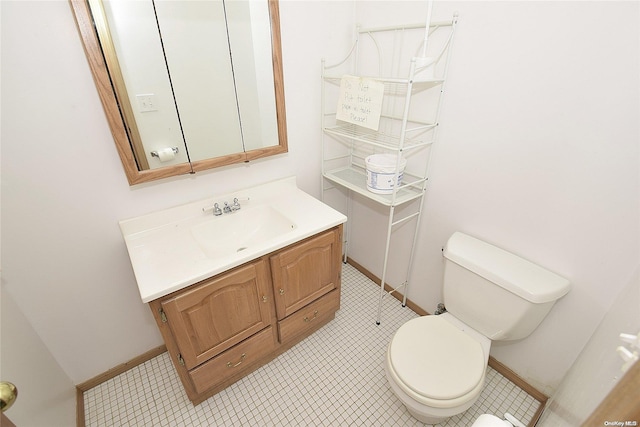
x=215, y=209
x=227, y=208
x=236, y=202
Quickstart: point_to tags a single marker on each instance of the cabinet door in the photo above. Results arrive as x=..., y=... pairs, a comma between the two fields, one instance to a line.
x=306, y=272
x=220, y=312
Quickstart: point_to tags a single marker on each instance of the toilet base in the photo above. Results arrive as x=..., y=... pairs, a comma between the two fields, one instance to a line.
x=425, y=418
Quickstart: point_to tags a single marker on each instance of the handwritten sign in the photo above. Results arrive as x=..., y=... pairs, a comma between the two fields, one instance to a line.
x=360, y=101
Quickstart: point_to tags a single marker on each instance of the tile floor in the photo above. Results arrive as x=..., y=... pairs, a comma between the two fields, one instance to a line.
x=333, y=378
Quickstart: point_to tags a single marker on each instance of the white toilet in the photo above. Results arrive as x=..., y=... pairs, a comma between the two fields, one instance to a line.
x=436, y=365
x=487, y=420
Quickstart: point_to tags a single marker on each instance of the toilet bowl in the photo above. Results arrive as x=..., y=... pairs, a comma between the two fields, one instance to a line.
x=460, y=355
x=436, y=365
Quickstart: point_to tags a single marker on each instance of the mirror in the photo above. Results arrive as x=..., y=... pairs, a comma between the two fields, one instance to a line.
x=186, y=85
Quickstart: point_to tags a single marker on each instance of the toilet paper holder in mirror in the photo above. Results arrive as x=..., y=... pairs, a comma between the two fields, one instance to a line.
x=156, y=154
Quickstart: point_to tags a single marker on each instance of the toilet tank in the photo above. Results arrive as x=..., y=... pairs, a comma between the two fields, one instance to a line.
x=497, y=293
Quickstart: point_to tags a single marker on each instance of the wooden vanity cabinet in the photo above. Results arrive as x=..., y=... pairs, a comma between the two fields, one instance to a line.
x=219, y=330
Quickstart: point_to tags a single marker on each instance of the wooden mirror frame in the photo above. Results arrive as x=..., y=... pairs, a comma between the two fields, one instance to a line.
x=117, y=124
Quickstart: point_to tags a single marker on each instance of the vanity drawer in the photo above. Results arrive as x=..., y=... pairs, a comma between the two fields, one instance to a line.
x=307, y=317
x=233, y=361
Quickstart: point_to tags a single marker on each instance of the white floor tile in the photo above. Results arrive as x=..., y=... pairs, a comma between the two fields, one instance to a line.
x=333, y=378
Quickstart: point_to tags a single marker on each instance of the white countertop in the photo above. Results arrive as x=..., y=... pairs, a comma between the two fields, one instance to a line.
x=166, y=257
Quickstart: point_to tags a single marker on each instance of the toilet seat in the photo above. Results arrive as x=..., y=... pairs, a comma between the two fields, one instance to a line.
x=436, y=363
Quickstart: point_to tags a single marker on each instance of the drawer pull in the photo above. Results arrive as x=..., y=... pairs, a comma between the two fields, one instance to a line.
x=281, y=291
x=231, y=365
x=264, y=298
x=315, y=314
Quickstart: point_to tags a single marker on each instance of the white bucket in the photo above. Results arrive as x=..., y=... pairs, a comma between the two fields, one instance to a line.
x=381, y=171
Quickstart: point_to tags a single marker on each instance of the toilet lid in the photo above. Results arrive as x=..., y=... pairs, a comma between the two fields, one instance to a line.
x=435, y=359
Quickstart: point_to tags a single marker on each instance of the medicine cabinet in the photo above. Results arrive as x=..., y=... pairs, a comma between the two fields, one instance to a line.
x=186, y=86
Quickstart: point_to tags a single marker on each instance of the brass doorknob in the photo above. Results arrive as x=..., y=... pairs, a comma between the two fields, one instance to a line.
x=8, y=395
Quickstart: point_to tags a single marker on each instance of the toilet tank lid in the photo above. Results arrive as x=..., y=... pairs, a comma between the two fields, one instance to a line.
x=511, y=272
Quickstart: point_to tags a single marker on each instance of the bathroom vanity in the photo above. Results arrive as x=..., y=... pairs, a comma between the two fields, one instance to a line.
x=232, y=291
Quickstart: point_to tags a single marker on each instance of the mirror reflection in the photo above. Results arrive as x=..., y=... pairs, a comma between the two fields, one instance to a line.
x=196, y=82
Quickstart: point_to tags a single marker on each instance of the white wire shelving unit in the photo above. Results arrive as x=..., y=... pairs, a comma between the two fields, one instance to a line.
x=412, y=62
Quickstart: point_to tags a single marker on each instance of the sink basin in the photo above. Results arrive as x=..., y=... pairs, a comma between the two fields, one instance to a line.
x=230, y=233
x=179, y=246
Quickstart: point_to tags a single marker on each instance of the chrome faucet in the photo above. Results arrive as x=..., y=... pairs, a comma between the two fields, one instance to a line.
x=217, y=211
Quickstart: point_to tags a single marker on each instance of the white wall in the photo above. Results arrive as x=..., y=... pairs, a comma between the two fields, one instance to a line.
x=538, y=154
x=64, y=190
x=46, y=395
x=598, y=367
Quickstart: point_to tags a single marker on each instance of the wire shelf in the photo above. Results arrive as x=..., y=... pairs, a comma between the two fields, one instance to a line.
x=356, y=180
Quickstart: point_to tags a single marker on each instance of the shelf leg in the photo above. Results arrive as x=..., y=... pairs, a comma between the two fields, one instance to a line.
x=384, y=265
x=411, y=253
x=347, y=232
